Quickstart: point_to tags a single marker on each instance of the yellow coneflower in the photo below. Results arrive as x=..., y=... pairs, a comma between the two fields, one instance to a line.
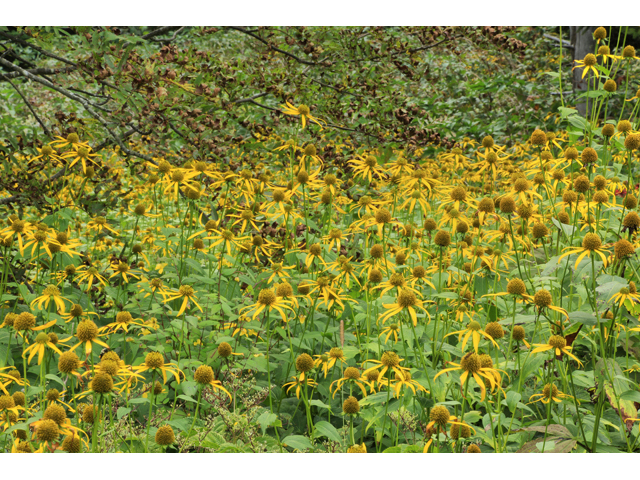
x=187, y=293
x=304, y=112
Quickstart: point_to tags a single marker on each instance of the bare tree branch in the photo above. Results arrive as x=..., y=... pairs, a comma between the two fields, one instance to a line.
x=18, y=40
x=40, y=71
x=242, y=100
x=88, y=107
x=167, y=41
x=271, y=47
x=153, y=33
x=24, y=99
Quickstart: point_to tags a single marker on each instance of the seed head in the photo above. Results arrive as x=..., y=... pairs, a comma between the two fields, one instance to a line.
x=471, y=363
x=165, y=435
x=487, y=142
x=540, y=230
x=485, y=360
x=440, y=415
x=600, y=33
x=591, y=242
x=47, y=431
x=267, y=297
x=87, y=331
x=56, y=413
x=631, y=222
x=442, y=239
x=19, y=398
x=623, y=249
x=407, y=299
x=390, y=359
x=494, y=330
x=383, y=216
x=518, y=333
x=304, y=363
x=351, y=406
x=224, y=350
x=458, y=194
x=430, y=225
x=571, y=153
x=608, y=130
x=542, y=298
x=89, y=413
x=310, y=150
x=6, y=402
x=375, y=276
x=458, y=431
x=630, y=202
x=102, y=383
x=632, y=142
x=507, y=205
x=24, y=321
x=71, y=444
x=486, y=205
x=68, y=362
x=557, y=341
x=610, y=86
x=376, y=251
x=569, y=197
x=154, y=360
x=351, y=373
x=624, y=126
x=538, y=137
x=629, y=52
x=203, y=374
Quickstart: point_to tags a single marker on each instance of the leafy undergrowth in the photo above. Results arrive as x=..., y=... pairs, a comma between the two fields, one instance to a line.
x=320, y=296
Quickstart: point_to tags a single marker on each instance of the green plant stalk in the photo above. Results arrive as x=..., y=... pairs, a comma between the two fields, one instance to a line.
x=152, y=401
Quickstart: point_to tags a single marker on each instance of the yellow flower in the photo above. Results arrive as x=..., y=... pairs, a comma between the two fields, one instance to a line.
x=590, y=243
x=42, y=341
x=472, y=366
x=50, y=293
x=186, y=292
x=90, y=274
x=625, y=294
x=473, y=330
x=588, y=63
x=303, y=111
x=298, y=383
x=351, y=374
x=329, y=359
x=549, y=392
x=407, y=300
x=556, y=343
x=154, y=361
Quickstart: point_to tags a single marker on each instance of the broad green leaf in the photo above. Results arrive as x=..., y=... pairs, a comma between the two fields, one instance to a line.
x=326, y=429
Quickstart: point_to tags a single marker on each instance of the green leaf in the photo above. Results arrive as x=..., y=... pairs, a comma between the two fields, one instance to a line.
x=51, y=376
x=297, y=442
x=632, y=395
x=122, y=411
x=614, y=390
x=578, y=122
x=189, y=388
x=512, y=400
x=187, y=399
x=268, y=419
x=320, y=404
x=588, y=318
x=327, y=430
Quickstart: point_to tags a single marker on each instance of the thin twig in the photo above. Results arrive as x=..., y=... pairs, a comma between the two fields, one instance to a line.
x=271, y=47
x=28, y=104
